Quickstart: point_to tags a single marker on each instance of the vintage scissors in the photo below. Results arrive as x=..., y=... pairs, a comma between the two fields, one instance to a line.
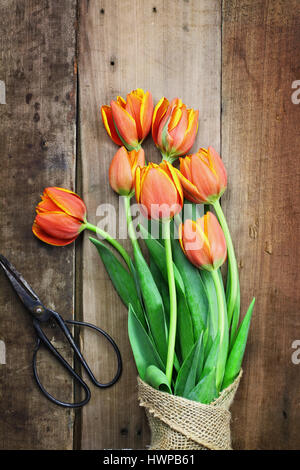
x=40, y=314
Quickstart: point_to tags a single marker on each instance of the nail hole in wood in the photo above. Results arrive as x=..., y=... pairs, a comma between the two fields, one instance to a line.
x=102, y=11
x=154, y=9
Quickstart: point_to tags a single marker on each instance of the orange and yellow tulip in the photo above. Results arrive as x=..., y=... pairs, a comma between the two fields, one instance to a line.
x=203, y=176
x=203, y=242
x=174, y=128
x=61, y=216
x=129, y=122
x=122, y=170
x=158, y=190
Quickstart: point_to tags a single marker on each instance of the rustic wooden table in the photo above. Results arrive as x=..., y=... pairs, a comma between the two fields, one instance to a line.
x=236, y=61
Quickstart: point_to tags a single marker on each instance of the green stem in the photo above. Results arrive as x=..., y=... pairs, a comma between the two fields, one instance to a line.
x=222, y=330
x=131, y=231
x=110, y=240
x=232, y=264
x=173, y=302
x=221, y=305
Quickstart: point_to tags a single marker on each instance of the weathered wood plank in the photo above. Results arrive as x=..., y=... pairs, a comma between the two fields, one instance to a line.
x=172, y=48
x=260, y=138
x=37, y=149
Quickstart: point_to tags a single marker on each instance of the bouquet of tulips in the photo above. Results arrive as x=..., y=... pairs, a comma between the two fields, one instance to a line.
x=184, y=325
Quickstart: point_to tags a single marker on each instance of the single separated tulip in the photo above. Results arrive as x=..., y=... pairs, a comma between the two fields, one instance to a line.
x=61, y=216
x=203, y=176
x=129, y=122
x=174, y=128
x=122, y=170
x=203, y=242
x=158, y=190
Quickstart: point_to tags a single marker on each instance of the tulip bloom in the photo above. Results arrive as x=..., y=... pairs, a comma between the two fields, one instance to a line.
x=129, y=122
x=61, y=216
x=174, y=128
x=203, y=176
x=158, y=190
x=203, y=242
x=122, y=170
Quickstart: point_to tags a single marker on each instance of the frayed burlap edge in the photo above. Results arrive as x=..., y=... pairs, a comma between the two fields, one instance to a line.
x=181, y=424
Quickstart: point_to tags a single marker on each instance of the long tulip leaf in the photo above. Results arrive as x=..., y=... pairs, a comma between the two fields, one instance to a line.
x=187, y=375
x=153, y=304
x=157, y=253
x=212, y=302
x=194, y=289
x=185, y=331
x=205, y=391
x=157, y=379
x=212, y=357
x=236, y=355
x=144, y=351
x=122, y=280
x=235, y=318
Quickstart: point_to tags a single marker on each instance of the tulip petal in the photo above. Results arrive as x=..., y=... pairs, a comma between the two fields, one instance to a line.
x=68, y=201
x=178, y=131
x=59, y=225
x=120, y=175
x=46, y=205
x=204, y=177
x=218, y=164
x=190, y=133
x=42, y=235
x=190, y=191
x=216, y=237
x=108, y=122
x=196, y=245
x=133, y=107
x=159, y=194
x=159, y=111
x=146, y=114
x=125, y=124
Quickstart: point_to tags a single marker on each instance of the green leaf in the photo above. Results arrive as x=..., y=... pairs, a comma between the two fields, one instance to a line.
x=187, y=375
x=143, y=349
x=235, y=317
x=153, y=304
x=185, y=331
x=212, y=357
x=157, y=253
x=122, y=280
x=205, y=391
x=164, y=292
x=236, y=355
x=212, y=302
x=157, y=379
x=194, y=289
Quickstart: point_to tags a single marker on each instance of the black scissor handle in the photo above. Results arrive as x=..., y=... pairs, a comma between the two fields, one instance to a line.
x=43, y=338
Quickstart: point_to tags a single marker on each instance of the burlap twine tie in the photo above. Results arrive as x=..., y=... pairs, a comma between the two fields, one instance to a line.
x=181, y=424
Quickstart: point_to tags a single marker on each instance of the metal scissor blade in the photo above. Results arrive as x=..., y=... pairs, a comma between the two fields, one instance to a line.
x=22, y=288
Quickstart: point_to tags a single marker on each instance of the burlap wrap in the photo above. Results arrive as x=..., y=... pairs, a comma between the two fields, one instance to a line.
x=181, y=424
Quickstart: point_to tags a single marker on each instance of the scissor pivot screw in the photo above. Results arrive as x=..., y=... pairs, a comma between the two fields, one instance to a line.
x=39, y=310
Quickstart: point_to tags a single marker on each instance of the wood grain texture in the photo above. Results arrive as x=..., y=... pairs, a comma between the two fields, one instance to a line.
x=37, y=149
x=260, y=141
x=172, y=48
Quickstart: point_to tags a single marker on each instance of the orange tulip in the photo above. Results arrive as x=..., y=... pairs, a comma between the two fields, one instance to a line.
x=61, y=216
x=203, y=242
x=158, y=190
x=128, y=122
x=174, y=128
x=122, y=170
x=203, y=176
